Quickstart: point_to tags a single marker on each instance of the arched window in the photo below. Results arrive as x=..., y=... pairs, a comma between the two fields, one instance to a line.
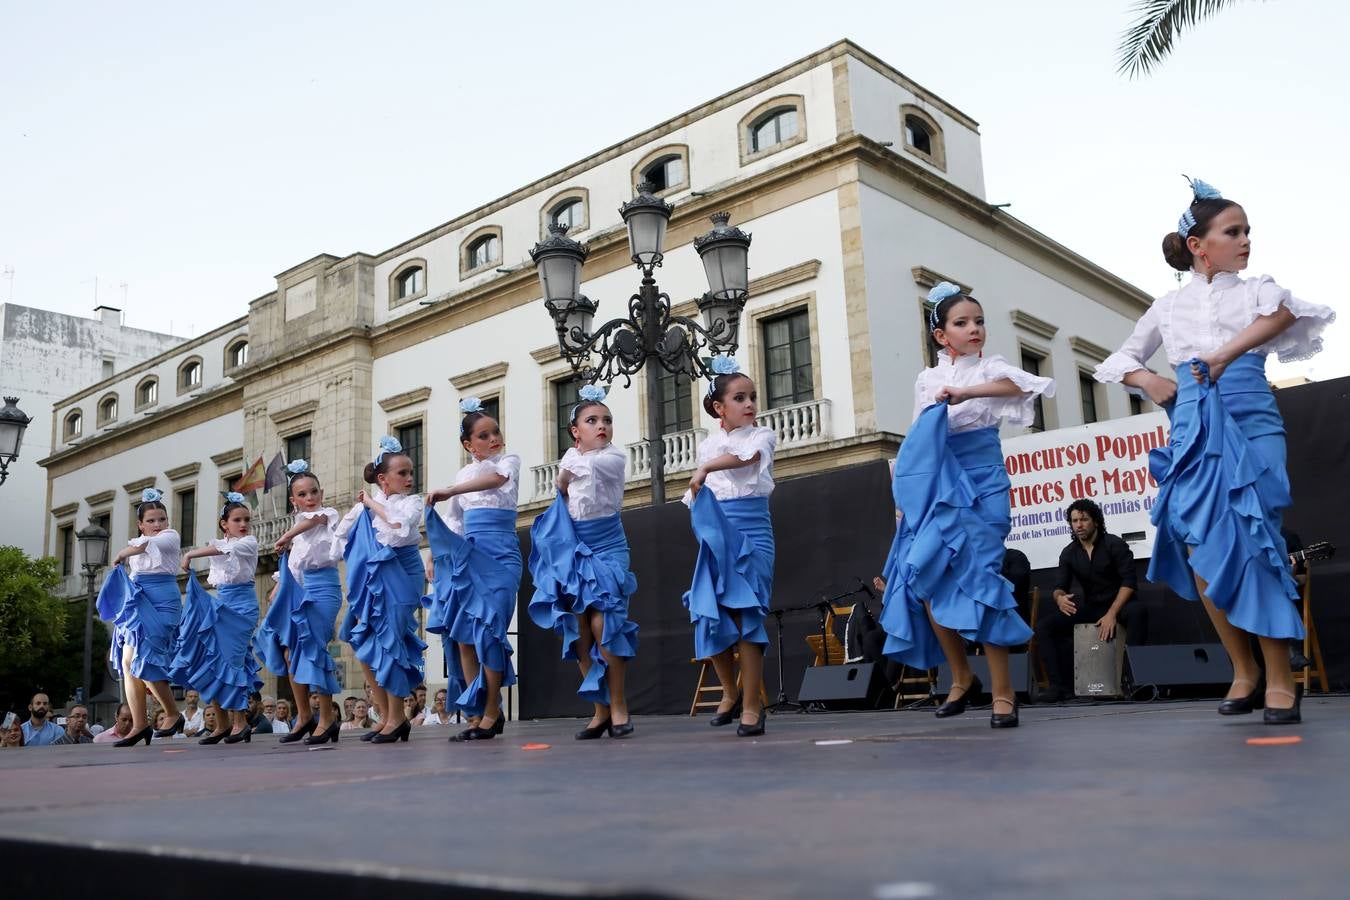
x=568, y=213
x=147, y=393
x=412, y=281
x=570, y=207
x=923, y=136
x=236, y=355
x=773, y=128
x=190, y=375
x=481, y=250
x=776, y=124
x=74, y=424
x=107, y=410
x=665, y=168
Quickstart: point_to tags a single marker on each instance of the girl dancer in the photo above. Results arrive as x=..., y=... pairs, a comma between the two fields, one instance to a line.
x=215, y=639
x=384, y=587
x=144, y=609
x=943, y=575
x=476, y=566
x=579, y=563
x=733, y=575
x=1223, y=484
x=300, y=622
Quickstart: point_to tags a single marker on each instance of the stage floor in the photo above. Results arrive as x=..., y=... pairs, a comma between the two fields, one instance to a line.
x=1115, y=800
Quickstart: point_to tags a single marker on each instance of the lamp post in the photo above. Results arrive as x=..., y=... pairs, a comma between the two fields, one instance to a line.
x=94, y=551
x=13, y=423
x=649, y=333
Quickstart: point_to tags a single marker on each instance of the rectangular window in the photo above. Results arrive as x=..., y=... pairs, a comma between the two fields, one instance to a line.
x=65, y=548
x=185, y=516
x=1087, y=390
x=787, y=360
x=410, y=436
x=1136, y=405
x=1031, y=363
x=564, y=398
x=297, y=447
x=676, y=411
x=930, y=346
x=104, y=521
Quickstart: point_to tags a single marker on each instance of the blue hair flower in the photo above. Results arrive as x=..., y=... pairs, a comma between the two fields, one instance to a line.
x=1203, y=190
x=234, y=497
x=387, y=445
x=151, y=495
x=297, y=466
x=470, y=405
x=725, y=365
x=592, y=393
x=942, y=290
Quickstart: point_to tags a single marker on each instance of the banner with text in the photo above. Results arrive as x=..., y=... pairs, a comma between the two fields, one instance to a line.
x=1105, y=461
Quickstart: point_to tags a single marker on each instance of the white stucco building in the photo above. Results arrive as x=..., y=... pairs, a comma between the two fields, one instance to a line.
x=861, y=189
x=44, y=356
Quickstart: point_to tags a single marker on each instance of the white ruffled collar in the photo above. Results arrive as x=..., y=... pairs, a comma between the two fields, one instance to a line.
x=966, y=361
x=1221, y=280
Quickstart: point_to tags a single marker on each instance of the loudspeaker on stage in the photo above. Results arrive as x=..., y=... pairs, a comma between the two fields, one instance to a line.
x=851, y=686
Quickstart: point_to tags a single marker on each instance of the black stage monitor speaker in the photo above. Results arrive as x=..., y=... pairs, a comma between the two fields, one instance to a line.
x=853, y=686
x=1177, y=664
x=979, y=664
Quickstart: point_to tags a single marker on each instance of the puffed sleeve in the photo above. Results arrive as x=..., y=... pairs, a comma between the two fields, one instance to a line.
x=508, y=465
x=1303, y=339
x=166, y=543
x=345, y=526
x=760, y=441
x=241, y=548
x=1134, y=354
x=1019, y=410
x=406, y=510
x=454, y=516
x=923, y=394
x=611, y=464
x=576, y=462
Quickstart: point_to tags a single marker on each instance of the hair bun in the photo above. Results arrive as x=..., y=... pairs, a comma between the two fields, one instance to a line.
x=1177, y=254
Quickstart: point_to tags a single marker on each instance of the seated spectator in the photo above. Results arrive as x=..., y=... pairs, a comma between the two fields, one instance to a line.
x=257, y=719
x=314, y=706
x=120, y=729
x=269, y=708
x=411, y=710
x=13, y=735
x=282, y=723
x=348, y=704
x=209, y=719
x=337, y=711
x=371, y=709
x=193, y=720
x=77, y=726
x=437, y=715
x=420, y=692
x=39, y=730
x=360, y=718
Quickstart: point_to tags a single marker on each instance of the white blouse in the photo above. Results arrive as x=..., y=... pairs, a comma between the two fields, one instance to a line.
x=503, y=497
x=317, y=548
x=596, y=489
x=754, y=480
x=1201, y=316
x=405, y=509
x=162, y=556
x=980, y=412
x=237, y=562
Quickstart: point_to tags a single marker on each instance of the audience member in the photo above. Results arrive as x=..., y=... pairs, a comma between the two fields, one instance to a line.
x=77, y=726
x=360, y=718
x=209, y=719
x=437, y=715
x=39, y=730
x=282, y=723
x=257, y=719
x=371, y=709
x=12, y=736
x=120, y=729
x=348, y=704
x=410, y=710
x=193, y=718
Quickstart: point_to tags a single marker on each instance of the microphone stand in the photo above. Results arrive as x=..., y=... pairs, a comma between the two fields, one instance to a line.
x=781, y=703
x=823, y=608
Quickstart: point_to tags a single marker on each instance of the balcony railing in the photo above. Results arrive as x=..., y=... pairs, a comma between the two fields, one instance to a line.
x=799, y=424
x=681, y=453
x=544, y=476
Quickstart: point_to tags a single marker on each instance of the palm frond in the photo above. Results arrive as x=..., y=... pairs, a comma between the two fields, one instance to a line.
x=1147, y=42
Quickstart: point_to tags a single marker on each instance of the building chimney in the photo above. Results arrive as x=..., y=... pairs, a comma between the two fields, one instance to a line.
x=109, y=315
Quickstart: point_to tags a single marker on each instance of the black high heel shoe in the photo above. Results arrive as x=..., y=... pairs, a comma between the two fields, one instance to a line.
x=132, y=740
x=243, y=737
x=369, y=735
x=1241, y=706
x=499, y=726
x=622, y=731
x=1291, y=716
x=1004, y=720
x=726, y=718
x=214, y=738
x=478, y=733
x=591, y=733
x=398, y=734
x=176, y=727
x=322, y=737
x=297, y=734
x=743, y=730
x=958, y=706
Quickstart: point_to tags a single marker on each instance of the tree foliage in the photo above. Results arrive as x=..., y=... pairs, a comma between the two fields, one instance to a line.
x=1148, y=41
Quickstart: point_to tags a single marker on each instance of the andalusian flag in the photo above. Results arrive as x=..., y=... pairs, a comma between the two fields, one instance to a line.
x=252, y=480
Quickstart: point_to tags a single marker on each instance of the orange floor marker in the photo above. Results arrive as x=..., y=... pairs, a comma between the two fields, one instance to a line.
x=535, y=747
x=1275, y=741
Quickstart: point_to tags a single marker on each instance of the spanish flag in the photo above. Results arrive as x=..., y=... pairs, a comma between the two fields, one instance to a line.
x=252, y=480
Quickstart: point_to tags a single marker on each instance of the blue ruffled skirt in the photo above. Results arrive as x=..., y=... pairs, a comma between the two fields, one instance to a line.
x=384, y=589
x=948, y=548
x=473, y=597
x=1222, y=492
x=733, y=572
x=215, y=644
x=144, y=614
x=302, y=619
x=577, y=566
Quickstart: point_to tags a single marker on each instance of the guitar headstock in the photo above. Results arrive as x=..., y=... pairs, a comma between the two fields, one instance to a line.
x=1319, y=550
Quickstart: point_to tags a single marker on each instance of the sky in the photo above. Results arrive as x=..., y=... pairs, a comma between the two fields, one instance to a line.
x=175, y=157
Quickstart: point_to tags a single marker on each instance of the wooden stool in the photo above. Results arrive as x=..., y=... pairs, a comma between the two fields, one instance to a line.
x=705, y=665
x=1312, y=647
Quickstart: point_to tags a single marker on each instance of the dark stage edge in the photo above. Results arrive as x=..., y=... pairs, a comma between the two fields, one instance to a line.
x=1120, y=800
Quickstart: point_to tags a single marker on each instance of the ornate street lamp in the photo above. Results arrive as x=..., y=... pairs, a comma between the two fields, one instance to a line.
x=13, y=422
x=649, y=333
x=94, y=551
